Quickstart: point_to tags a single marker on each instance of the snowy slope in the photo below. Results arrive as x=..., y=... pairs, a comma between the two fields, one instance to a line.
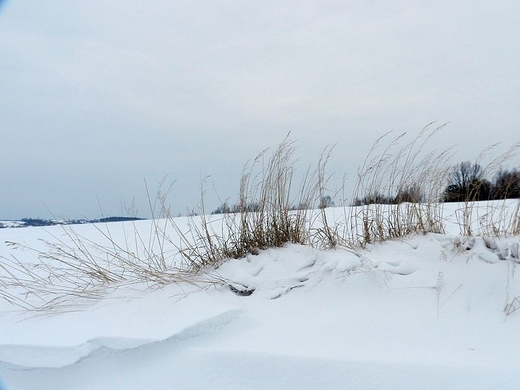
x=429, y=312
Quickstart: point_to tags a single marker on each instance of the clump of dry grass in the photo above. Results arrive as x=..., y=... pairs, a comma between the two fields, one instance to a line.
x=270, y=223
x=265, y=215
x=497, y=218
x=75, y=270
x=80, y=269
x=397, y=190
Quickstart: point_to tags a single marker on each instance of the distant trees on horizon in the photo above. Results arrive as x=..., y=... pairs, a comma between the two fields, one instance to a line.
x=467, y=182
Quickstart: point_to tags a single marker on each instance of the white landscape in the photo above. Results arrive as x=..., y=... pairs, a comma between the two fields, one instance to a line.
x=397, y=271
x=428, y=311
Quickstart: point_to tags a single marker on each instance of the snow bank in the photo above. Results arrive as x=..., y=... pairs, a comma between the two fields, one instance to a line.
x=433, y=311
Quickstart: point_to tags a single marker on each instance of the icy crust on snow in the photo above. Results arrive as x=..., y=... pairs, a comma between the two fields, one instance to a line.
x=41, y=356
x=25, y=356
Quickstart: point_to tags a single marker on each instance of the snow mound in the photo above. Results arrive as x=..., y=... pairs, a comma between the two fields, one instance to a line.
x=430, y=311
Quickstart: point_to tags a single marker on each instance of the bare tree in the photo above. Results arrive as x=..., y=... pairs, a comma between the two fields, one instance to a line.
x=466, y=182
x=507, y=184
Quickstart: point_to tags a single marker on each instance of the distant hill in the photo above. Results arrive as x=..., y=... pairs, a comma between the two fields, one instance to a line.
x=27, y=222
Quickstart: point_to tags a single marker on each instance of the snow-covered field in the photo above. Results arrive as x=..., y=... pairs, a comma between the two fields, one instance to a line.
x=433, y=311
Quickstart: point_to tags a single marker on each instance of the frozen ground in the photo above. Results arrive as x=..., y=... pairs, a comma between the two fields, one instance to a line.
x=428, y=312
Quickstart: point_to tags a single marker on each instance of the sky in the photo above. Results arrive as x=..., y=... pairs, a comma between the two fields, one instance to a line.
x=98, y=97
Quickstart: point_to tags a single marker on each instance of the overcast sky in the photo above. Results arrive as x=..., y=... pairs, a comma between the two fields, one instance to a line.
x=98, y=95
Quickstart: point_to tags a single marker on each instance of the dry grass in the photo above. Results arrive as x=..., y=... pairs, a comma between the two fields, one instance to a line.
x=271, y=211
x=76, y=269
x=265, y=215
x=497, y=219
x=408, y=181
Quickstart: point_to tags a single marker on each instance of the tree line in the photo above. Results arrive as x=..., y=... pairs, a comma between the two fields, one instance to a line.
x=467, y=182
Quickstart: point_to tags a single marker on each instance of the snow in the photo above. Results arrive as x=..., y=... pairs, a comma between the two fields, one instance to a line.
x=11, y=224
x=433, y=311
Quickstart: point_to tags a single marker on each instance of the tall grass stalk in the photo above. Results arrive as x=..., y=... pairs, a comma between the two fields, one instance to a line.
x=397, y=190
x=497, y=218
